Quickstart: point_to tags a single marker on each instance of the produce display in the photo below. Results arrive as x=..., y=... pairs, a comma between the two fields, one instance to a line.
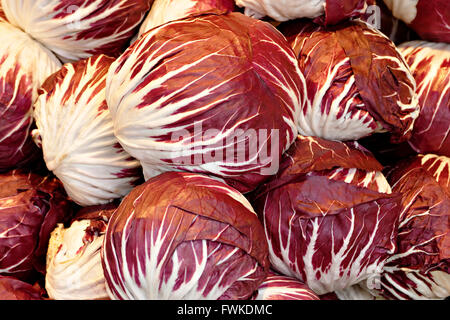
x=251, y=150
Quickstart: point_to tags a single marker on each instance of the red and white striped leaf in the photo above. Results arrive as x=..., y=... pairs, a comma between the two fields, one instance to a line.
x=184, y=236
x=30, y=208
x=415, y=285
x=419, y=268
x=24, y=66
x=337, y=11
x=279, y=287
x=430, y=65
x=77, y=29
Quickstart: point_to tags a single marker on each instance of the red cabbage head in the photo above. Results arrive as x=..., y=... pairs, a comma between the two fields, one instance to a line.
x=329, y=215
x=184, y=236
x=75, y=130
x=202, y=95
x=357, y=82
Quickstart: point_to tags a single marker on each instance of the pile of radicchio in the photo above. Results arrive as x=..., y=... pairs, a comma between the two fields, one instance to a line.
x=224, y=150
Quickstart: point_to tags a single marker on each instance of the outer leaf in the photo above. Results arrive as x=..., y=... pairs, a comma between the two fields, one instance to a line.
x=430, y=65
x=15, y=289
x=419, y=269
x=30, y=208
x=279, y=287
x=163, y=11
x=337, y=11
x=24, y=65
